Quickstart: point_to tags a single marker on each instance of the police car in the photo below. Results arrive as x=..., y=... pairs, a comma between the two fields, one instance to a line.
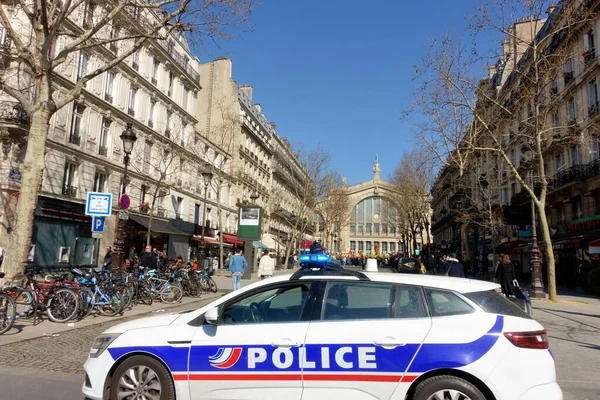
x=330, y=333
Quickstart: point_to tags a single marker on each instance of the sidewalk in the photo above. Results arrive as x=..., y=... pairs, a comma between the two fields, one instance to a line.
x=224, y=282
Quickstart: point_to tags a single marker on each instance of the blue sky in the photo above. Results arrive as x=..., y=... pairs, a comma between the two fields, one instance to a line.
x=337, y=73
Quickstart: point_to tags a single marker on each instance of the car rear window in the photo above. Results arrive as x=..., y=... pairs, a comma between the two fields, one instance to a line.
x=493, y=302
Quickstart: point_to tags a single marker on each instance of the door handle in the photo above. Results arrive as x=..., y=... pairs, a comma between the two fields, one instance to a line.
x=285, y=342
x=389, y=342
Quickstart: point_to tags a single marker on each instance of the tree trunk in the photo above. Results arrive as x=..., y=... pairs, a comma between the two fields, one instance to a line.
x=33, y=168
x=549, y=253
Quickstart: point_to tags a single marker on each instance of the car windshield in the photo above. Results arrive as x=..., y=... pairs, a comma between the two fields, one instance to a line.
x=493, y=302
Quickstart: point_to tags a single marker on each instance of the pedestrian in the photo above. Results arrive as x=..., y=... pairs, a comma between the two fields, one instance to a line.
x=107, y=266
x=266, y=266
x=455, y=268
x=147, y=260
x=432, y=265
x=443, y=267
x=419, y=267
x=507, y=276
x=237, y=266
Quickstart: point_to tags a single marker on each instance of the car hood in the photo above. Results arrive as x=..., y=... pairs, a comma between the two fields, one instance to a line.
x=148, y=322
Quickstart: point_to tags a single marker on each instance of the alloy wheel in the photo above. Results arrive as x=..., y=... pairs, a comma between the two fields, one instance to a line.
x=448, y=394
x=139, y=383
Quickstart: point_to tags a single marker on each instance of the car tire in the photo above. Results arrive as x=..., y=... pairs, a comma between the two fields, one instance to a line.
x=142, y=367
x=447, y=387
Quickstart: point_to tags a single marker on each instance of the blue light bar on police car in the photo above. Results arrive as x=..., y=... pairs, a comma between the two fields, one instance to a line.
x=314, y=258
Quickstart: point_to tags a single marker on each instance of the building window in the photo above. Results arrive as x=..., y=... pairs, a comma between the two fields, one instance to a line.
x=171, y=79
x=132, y=100
x=104, y=135
x=99, y=182
x=572, y=110
x=109, y=86
x=369, y=230
x=352, y=246
x=114, y=35
x=568, y=74
x=76, y=123
x=151, y=114
x=361, y=246
x=376, y=229
x=178, y=207
x=155, y=67
x=186, y=95
x=135, y=60
x=392, y=247
x=590, y=47
x=82, y=68
x=558, y=162
x=147, y=156
x=168, y=121
x=574, y=156
x=556, y=119
x=368, y=247
x=593, y=98
x=88, y=14
x=143, y=191
x=69, y=177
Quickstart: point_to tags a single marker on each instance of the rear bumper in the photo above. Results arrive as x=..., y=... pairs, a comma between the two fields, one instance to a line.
x=550, y=391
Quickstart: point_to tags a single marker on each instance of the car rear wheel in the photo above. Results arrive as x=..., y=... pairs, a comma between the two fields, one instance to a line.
x=141, y=377
x=447, y=387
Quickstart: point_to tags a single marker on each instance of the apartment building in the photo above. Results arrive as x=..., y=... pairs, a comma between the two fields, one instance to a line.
x=266, y=170
x=568, y=113
x=156, y=89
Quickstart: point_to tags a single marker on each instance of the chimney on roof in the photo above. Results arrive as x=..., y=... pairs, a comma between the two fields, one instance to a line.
x=258, y=108
x=274, y=125
x=247, y=89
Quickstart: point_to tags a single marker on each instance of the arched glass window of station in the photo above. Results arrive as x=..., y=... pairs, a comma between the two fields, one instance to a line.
x=374, y=226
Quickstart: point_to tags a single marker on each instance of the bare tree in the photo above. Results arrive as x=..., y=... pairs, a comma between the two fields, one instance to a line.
x=334, y=208
x=516, y=110
x=46, y=35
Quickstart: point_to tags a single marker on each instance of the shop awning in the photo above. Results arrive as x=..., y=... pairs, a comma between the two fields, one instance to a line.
x=233, y=239
x=171, y=227
x=209, y=240
x=594, y=246
x=260, y=245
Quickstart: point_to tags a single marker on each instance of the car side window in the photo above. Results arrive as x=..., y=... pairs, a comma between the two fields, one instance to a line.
x=357, y=300
x=443, y=303
x=410, y=302
x=273, y=305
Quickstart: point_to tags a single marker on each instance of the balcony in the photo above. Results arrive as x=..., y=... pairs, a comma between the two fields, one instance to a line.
x=569, y=175
x=108, y=98
x=169, y=48
x=75, y=139
x=589, y=55
x=568, y=77
x=103, y=150
x=69, y=191
x=12, y=111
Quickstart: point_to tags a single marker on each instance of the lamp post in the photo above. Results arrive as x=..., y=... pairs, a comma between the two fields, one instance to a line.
x=128, y=137
x=535, y=259
x=420, y=231
x=428, y=237
x=207, y=175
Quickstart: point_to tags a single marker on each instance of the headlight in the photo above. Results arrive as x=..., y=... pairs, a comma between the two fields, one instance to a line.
x=101, y=343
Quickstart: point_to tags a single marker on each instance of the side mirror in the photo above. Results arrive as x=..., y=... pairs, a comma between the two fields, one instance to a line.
x=212, y=316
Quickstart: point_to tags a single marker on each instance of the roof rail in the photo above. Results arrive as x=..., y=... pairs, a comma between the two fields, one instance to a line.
x=327, y=270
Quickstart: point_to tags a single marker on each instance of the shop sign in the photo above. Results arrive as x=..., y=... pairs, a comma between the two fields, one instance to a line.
x=580, y=224
x=525, y=234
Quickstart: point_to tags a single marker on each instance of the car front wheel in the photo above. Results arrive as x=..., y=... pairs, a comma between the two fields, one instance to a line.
x=447, y=387
x=141, y=377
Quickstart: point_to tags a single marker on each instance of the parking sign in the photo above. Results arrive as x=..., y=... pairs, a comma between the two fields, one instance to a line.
x=98, y=224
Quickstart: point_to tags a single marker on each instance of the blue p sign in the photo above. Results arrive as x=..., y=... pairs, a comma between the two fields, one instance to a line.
x=98, y=225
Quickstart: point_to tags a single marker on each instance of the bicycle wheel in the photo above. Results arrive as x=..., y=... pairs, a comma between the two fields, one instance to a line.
x=86, y=302
x=204, y=285
x=171, y=294
x=8, y=312
x=212, y=285
x=63, y=305
x=24, y=303
x=126, y=297
x=145, y=296
x=112, y=303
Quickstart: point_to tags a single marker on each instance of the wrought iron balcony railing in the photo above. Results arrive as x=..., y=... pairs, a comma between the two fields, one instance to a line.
x=12, y=111
x=69, y=191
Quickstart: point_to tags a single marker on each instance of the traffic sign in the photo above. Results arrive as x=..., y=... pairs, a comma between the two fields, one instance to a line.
x=98, y=204
x=98, y=224
x=124, y=201
x=123, y=214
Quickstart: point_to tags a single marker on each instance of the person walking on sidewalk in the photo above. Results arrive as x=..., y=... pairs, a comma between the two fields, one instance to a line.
x=455, y=268
x=237, y=266
x=507, y=276
x=266, y=267
x=147, y=260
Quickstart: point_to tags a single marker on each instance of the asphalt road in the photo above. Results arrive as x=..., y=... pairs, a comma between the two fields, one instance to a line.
x=51, y=368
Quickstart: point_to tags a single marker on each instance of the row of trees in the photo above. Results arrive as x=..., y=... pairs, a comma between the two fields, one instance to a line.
x=45, y=35
x=504, y=127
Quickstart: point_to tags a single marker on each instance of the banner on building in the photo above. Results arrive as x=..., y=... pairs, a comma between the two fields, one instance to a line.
x=249, y=223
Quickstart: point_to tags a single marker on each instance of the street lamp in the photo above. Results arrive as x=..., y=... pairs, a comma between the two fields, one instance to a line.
x=207, y=175
x=420, y=231
x=535, y=258
x=428, y=236
x=128, y=137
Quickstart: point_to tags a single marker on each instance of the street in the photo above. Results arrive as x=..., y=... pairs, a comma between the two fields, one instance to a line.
x=51, y=367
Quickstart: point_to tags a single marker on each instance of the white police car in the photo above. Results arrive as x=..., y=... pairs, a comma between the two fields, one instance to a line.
x=332, y=334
